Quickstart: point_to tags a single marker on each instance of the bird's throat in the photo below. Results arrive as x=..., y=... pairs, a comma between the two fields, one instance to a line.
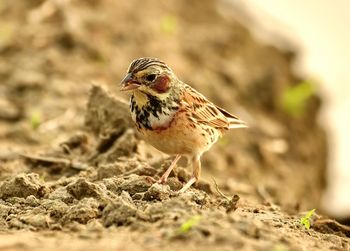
x=140, y=98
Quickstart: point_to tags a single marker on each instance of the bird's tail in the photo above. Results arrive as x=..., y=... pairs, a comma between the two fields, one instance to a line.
x=237, y=123
x=234, y=122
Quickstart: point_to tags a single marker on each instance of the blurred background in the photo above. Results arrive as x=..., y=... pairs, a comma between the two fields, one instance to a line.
x=319, y=30
x=280, y=66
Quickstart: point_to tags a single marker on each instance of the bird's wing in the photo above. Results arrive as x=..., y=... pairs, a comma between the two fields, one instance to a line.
x=203, y=111
x=234, y=122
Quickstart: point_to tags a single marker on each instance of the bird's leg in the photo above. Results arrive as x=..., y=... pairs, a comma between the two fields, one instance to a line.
x=196, y=165
x=164, y=177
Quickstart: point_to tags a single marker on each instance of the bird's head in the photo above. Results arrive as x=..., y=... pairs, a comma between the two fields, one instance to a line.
x=148, y=76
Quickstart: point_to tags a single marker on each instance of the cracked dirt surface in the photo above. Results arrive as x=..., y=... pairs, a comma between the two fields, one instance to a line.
x=74, y=175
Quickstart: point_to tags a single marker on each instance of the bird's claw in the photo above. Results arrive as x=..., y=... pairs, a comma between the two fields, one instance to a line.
x=162, y=180
x=151, y=179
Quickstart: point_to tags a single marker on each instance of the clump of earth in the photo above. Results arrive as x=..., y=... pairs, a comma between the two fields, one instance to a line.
x=74, y=174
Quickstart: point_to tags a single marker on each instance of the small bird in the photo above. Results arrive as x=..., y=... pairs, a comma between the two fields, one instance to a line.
x=172, y=116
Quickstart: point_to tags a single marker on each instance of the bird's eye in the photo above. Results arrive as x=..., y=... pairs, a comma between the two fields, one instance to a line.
x=151, y=77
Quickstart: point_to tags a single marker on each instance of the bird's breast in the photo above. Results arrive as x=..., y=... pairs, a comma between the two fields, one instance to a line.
x=152, y=115
x=179, y=136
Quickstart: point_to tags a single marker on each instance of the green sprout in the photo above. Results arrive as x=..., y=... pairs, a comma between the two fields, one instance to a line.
x=294, y=99
x=168, y=24
x=305, y=221
x=35, y=119
x=188, y=225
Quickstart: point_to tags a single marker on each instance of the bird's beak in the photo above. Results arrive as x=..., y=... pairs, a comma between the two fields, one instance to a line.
x=128, y=83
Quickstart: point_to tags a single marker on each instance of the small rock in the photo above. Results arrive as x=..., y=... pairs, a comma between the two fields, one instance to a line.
x=55, y=208
x=172, y=208
x=5, y=210
x=124, y=145
x=157, y=192
x=105, y=112
x=9, y=111
x=132, y=184
x=119, y=212
x=174, y=184
x=78, y=140
x=62, y=194
x=37, y=220
x=204, y=186
x=110, y=170
x=83, y=212
x=138, y=196
x=82, y=188
x=22, y=186
x=32, y=201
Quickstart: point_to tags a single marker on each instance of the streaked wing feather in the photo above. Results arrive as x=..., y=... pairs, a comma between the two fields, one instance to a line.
x=234, y=121
x=203, y=110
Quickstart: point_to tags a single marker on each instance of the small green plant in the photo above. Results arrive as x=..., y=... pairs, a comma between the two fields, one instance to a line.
x=294, y=99
x=188, y=225
x=168, y=24
x=305, y=221
x=35, y=119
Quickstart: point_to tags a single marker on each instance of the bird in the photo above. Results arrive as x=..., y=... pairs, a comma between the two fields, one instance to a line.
x=172, y=116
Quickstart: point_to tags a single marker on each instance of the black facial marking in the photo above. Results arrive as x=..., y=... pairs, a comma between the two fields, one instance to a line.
x=142, y=119
x=154, y=107
x=146, y=113
x=142, y=116
x=132, y=104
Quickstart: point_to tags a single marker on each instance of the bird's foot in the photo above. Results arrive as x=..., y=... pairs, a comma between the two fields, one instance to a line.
x=187, y=185
x=151, y=179
x=162, y=180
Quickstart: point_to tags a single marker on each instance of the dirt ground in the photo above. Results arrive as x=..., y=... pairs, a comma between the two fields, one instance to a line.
x=74, y=175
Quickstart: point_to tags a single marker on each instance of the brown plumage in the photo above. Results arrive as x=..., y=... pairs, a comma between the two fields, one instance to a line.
x=172, y=116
